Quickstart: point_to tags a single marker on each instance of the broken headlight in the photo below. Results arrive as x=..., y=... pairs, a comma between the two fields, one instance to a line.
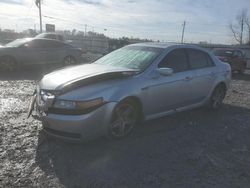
x=76, y=107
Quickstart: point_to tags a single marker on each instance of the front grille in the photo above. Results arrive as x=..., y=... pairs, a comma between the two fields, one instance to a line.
x=72, y=111
x=62, y=133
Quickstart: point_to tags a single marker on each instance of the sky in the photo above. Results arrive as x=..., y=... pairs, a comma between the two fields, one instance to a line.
x=206, y=20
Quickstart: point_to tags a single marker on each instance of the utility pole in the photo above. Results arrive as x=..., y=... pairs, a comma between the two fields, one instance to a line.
x=183, y=31
x=38, y=4
x=242, y=28
x=86, y=30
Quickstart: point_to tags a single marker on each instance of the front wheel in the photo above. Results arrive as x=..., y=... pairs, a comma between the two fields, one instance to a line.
x=217, y=97
x=123, y=120
x=69, y=60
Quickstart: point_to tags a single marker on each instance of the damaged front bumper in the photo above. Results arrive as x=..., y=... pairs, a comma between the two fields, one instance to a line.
x=40, y=103
x=71, y=127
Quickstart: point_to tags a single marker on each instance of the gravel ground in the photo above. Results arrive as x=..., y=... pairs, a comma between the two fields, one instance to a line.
x=191, y=149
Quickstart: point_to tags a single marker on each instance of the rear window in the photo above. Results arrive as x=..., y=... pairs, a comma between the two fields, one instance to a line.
x=199, y=59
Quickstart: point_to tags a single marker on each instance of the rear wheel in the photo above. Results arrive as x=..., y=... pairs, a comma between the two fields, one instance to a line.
x=69, y=60
x=123, y=121
x=7, y=63
x=217, y=97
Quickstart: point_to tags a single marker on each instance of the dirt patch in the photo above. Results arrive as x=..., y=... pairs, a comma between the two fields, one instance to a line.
x=190, y=149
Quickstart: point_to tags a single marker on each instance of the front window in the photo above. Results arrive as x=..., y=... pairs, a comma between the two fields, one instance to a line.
x=176, y=60
x=199, y=59
x=132, y=57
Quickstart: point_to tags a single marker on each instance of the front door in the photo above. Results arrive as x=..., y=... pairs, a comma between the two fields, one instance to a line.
x=32, y=52
x=165, y=93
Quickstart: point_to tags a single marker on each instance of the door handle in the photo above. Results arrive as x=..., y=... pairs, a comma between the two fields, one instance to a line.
x=188, y=78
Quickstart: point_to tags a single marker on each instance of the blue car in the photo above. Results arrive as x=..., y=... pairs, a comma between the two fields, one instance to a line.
x=134, y=83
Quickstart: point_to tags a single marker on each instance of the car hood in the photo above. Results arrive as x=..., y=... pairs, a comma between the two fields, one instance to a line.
x=77, y=76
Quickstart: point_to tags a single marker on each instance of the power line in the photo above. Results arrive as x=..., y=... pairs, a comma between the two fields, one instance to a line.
x=169, y=22
x=132, y=32
x=208, y=23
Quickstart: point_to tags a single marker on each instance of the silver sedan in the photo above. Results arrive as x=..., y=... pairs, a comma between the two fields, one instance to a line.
x=137, y=82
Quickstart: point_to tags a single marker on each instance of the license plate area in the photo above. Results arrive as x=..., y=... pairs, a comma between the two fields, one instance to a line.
x=31, y=105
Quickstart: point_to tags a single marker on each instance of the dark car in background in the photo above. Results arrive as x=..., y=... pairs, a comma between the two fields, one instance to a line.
x=34, y=51
x=235, y=57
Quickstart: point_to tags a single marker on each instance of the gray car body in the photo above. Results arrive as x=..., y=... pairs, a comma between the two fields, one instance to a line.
x=158, y=95
x=25, y=55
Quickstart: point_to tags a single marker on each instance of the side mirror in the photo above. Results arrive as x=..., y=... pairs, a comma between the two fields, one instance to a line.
x=165, y=71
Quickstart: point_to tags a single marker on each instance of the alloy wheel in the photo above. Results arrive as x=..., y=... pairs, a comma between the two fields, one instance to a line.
x=124, y=120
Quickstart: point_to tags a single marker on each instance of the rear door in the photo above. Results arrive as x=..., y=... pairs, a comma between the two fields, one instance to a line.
x=204, y=71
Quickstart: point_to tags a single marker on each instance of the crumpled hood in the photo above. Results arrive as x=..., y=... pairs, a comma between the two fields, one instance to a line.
x=88, y=72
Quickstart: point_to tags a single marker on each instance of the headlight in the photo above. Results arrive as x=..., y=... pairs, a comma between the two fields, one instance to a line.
x=45, y=95
x=78, y=105
x=63, y=104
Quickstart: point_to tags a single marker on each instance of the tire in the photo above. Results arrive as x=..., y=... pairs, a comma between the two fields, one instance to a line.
x=69, y=60
x=124, y=120
x=217, y=97
x=7, y=63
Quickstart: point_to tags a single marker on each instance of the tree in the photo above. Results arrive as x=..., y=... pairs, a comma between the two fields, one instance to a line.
x=238, y=26
x=247, y=22
x=73, y=32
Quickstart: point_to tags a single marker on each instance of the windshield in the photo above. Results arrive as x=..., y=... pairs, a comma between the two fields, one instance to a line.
x=132, y=57
x=17, y=42
x=223, y=53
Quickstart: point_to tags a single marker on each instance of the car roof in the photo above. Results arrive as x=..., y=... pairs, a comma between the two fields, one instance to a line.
x=166, y=45
x=46, y=39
